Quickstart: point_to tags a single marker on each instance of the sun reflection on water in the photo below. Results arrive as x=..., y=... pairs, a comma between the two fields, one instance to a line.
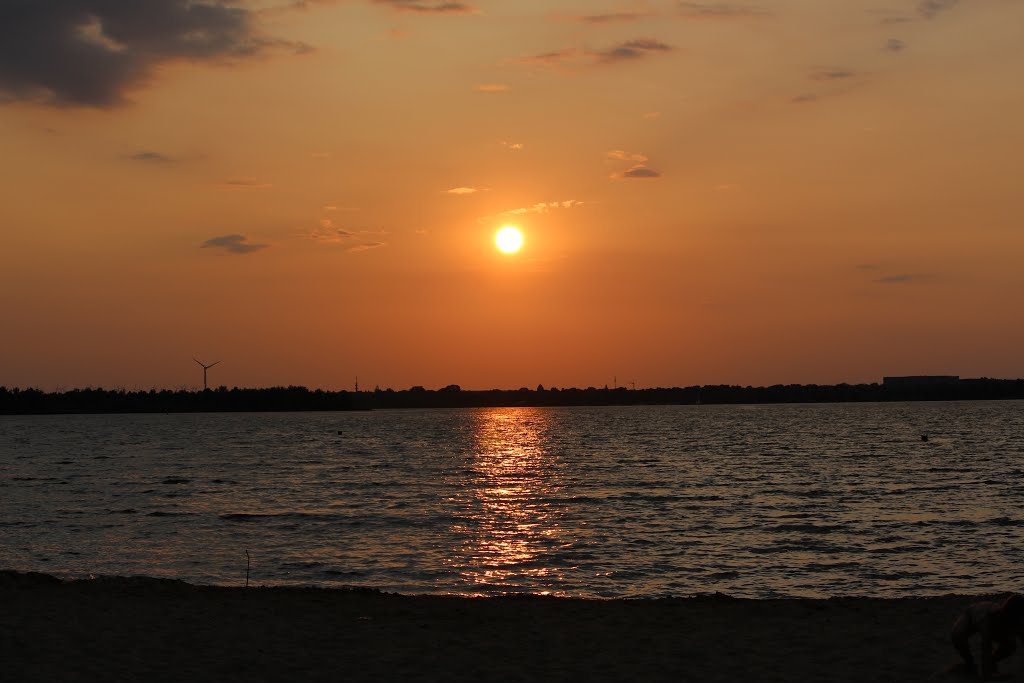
x=508, y=514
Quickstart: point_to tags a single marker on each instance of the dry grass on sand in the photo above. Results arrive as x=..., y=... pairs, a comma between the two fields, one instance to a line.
x=148, y=629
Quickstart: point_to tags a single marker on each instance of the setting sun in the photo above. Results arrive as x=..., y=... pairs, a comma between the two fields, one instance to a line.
x=509, y=239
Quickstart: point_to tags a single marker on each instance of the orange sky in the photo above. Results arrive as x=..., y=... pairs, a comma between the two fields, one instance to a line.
x=710, y=192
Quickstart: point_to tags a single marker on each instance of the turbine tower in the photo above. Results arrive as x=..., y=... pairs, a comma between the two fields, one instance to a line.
x=205, y=367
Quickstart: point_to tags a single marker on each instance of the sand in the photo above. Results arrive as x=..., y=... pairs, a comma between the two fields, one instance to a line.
x=150, y=629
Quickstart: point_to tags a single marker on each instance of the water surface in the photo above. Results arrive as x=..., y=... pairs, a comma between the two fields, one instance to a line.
x=757, y=501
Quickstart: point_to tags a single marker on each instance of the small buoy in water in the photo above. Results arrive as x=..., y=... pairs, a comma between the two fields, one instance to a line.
x=924, y=437
x=340, y=432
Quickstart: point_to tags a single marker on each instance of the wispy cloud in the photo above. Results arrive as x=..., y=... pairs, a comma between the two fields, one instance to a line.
x=547, y=58
x=719, y=10
x=640, y=171
x=415, y=7
x=513, y=146
x=151, y=157
x=366, y=246
x=929, y=8
x=243, y=184
x=904, y=278
x=92, y=52
x=621, y=155
x=831, y=82
x=832, y=75
x=611, y=17
x=329, y=233
x=236, y=244
x=539, y=208
x=465, y=190
x=493, y=87
x=895, y=45
x=631, y=50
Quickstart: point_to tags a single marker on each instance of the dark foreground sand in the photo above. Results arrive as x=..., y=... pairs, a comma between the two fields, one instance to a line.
x=148, y=629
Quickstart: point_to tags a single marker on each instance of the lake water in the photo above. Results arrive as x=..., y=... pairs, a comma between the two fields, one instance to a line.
x=755, y=501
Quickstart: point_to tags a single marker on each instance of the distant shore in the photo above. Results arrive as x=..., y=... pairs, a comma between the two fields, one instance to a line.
x=151, y=629
x=285, y=399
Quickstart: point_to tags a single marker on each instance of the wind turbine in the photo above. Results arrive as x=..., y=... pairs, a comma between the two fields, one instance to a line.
x=205, y=368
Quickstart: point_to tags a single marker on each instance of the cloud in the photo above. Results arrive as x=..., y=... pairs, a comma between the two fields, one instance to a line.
x=512, y=146
x=631, y=50
x=92, y=52
x=717, y=10
x=150, y=157
x=895, y=45
x=366, y=246
x=236, y=244
x=641, y=171
x=929, y=8
x=620, y=155
x=414, y=7
x=329, y=233
x=832, y=75
x=465, y=190
x=652, y=115
x=493, y=87
x=243, y=184
x=539, y=208
x=628, y=51
x=805, y=98
x=611, y=17
x=546, y=58
x=903, y=278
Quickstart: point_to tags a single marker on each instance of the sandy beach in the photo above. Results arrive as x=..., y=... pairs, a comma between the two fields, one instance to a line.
x=150, y=629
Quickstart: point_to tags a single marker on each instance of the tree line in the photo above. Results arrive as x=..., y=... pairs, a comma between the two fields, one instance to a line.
x=296, y=398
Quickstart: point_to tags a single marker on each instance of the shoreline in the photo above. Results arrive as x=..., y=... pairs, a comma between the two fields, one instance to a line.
x=127, y=628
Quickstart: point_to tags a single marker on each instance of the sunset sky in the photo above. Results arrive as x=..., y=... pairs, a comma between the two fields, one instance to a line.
x=786, y=191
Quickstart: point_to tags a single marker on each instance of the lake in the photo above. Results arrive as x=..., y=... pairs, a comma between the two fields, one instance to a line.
x=642, y=501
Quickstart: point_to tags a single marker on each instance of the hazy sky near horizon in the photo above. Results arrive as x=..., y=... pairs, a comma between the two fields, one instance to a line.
x=710, y=192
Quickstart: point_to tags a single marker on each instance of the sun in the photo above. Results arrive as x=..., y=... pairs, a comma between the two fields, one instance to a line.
x=509, y=239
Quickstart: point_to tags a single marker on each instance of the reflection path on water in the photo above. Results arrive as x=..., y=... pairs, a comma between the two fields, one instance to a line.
x=508, y=512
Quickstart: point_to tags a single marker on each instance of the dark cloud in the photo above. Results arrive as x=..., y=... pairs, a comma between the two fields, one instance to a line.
x=641, y=171
x=91, y=52
x=717, y=10
x=895, y=45
x=805, y=98
x=236, y=244
x=929, y=8
x=416, y=7
x=630, y=50
x=152, y=157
